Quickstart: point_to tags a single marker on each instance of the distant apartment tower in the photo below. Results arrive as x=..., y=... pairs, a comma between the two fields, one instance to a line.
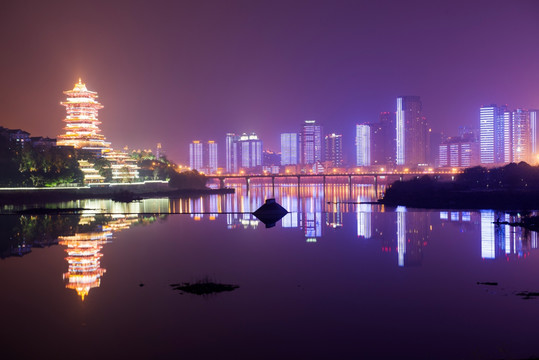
x=311, y=143
x=533, y=130
x=333, y=146
x=196, y=155
x=289, y=149
x=203, y=157
x=231, y=153
x=211, y=163
x=249, y=151
x=386, y=142
x=411, y=132
x=494, y=134
x=521, y=134
x=363, y=145
x=460, y=151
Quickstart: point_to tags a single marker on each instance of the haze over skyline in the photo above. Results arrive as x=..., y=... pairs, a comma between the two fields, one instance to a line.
x=173, y=72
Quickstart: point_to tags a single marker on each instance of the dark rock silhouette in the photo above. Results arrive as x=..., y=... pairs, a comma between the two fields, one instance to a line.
x=270, y=213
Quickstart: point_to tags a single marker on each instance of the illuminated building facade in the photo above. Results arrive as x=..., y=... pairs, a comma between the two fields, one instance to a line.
x=521, y=136
x=363, y=145
x=495, y=134
x=289, y=149
x=507, y=136
x=533, y=131
x=196, y=155
x=383, y=147
x=82, y=125
x=212, y=157
x=311, y=142
x=203, y=156
x=411, y=132
x=91, y=175
x=333, y=146
x=249, y=151
x=461, y=151
x=124, y=167
x=231, y=153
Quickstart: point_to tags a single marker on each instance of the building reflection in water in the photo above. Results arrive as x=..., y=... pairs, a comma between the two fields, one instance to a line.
x=503, y=240
x=84, y=249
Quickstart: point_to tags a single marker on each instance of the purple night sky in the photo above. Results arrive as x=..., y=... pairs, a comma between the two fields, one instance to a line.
x=176, y=71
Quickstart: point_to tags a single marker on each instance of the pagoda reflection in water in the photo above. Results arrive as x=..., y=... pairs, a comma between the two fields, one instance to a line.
x=84, y=251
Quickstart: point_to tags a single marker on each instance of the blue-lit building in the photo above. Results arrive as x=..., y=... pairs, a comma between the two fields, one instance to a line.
x=289, y=149
x=203, y=157
x=231, y=153
x=363, y=145
x=311, y=143
x=249, y=151
x=196, y=155
x=495, y=134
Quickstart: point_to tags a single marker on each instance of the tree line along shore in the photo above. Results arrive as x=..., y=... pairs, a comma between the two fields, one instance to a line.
x=510, y=187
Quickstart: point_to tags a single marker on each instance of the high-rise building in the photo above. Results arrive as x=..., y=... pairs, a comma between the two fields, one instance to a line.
x=363, y=145
x=211, y=164
x=196, y=155
x=82, y=130
x=289, y=149
x=459, y=151
x=333, y=145
x=534, y=139
x=231, y=153
x=203, y=157
x=383, y=139
x=249, y=151
x=495, y=134
x=311, y=143
x=411, y=132
x=521, y=136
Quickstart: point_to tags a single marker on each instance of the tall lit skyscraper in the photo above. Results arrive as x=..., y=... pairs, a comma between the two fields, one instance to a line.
x=250, y=151
x=211, y=163
x=363, y=145
x=231, y=153
x=521, y=136
x=333, y=145
x=196, y=155
x=383, y=138
x=495, y=134
x=533, y=130
x=203, y=157
x=311, y=142
x=82, y=130
x=534, y=139
x=411, y=132
x=289, y=149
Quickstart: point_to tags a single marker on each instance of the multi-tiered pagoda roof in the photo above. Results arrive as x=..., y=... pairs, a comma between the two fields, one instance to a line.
x=82, y=124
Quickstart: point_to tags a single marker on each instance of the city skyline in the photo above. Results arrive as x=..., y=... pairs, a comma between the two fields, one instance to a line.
x=263, y=66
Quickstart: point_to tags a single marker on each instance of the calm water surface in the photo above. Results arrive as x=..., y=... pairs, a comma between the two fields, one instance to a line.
x=332, y=280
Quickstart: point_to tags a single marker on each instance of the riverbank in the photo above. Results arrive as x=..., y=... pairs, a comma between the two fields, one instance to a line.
x=123, y=192
x=430, y=194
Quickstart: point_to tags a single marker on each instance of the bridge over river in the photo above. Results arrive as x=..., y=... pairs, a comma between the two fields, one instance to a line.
x=324, y=177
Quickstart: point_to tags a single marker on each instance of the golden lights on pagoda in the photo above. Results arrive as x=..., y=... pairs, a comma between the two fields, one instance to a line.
x=82, y=130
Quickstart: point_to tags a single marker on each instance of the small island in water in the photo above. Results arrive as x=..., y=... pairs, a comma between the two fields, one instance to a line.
x=510, y=187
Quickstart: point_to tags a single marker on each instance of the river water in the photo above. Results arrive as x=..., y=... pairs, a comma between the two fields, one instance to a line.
x=334, y=279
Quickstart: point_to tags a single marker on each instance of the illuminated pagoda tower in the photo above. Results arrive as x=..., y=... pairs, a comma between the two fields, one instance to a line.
x=82, y=130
